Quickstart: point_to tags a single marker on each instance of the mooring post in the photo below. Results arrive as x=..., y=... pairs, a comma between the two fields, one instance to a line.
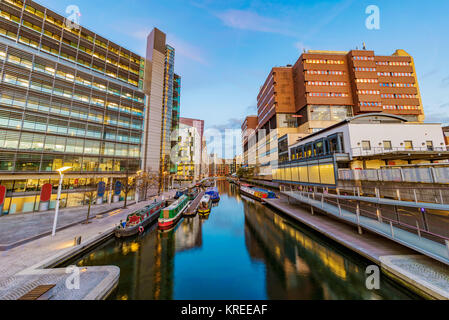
x=416, y=197
x=339, y=206
x=358, y=219
x=441, y=196
x=313, y=213
x=398, y=193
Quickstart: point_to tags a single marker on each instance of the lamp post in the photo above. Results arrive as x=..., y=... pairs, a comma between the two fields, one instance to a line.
x=58, y=198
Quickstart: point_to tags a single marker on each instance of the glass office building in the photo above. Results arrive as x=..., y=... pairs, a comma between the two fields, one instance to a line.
x=68, y=97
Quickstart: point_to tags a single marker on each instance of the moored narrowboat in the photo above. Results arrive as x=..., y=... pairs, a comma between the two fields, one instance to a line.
x=205, y=205
x=171, y=215
x=137, y=221
x=192, y=193
x=255, y=193
x=214, y=194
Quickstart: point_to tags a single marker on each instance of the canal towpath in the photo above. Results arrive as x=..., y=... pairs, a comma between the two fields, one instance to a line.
x=24, y=267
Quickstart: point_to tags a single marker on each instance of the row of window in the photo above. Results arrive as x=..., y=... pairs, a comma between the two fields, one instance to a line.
x=326, y=83
x=78, y=78
x=78, y=60
x=401, y=107
x=328, y=94
x=394, y=74
x=323, y=61
x=370, y=104
x=397, y=85
x=366, y=80
x=398, y=96
x=61, y=24
x=360, y=58
x=392, y=63
x=365, y=69
x=368, y=92
x=40, y=142
x=387, y=145
x=74, y=112
x=47, y=88
x=326, y=72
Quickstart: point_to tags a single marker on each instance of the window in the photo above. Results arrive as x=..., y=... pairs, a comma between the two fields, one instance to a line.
x=387, y=145
x=366, y=145
x=408, y=145
x=429, y=145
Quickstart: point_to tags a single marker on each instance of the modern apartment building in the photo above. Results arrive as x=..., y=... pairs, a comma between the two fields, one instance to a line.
x=249, y=140
x=71, y=98
x=324, y=88
x=190, y=149
x=333, y=86
x=176, y=112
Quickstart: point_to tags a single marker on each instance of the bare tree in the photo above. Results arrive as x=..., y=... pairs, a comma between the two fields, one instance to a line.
x=128, y=185
x=147, y=182
x=91, y=196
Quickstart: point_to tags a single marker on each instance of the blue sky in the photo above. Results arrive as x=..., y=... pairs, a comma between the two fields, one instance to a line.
x=225, y=48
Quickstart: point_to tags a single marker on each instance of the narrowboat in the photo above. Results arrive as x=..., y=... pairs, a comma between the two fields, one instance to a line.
x=171, y=214
x=205, y=205
x=137, y=221
x=192, y=193
x=180, y=193
x=214, y=194
x=255, y=193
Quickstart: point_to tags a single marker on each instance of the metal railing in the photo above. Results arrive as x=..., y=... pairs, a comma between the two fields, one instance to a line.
x=360, y=151
x=432, y=175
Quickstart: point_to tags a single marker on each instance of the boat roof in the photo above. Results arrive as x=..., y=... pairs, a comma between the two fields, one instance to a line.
x=176, y=203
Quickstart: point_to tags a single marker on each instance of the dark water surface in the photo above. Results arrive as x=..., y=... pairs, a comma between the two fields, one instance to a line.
x=244, y=250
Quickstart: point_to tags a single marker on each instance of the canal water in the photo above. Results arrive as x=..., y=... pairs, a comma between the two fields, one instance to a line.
x=244, y=250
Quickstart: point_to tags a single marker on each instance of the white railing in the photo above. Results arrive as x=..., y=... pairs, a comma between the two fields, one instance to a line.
x=421, y=175
x=359, y=151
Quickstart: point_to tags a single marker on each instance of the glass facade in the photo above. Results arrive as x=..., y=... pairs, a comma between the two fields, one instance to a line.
x=176, y=113
x=167, y=113
x=68, y=97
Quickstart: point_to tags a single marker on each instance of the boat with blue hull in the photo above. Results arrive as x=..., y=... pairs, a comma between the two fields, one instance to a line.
x=214, y=194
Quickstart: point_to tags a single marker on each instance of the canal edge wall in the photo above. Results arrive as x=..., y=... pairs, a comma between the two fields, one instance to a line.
x=419, y=285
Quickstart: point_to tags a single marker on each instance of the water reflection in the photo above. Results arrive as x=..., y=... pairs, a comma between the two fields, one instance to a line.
x=242, y=251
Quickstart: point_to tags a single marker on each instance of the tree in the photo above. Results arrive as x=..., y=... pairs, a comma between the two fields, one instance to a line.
x=128, y=185
x=245, y=173
x=91, y=196
x=147, y=182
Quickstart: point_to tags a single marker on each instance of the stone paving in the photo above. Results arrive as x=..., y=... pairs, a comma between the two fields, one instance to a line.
x=18, y=228
x=24, y=261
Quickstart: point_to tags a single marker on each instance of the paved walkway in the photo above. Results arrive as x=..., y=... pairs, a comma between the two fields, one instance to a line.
x=30, y=260
x=425, y=246
x=18, y=229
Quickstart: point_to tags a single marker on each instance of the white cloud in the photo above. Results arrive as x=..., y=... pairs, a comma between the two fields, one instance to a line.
x=248, y=20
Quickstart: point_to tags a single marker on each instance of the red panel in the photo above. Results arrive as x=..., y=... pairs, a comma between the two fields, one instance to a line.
x=46, y=192
x=2, y=194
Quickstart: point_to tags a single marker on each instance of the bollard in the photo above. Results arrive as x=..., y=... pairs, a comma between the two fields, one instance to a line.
x=77, y=241
x=391, y=228
x=418, y=228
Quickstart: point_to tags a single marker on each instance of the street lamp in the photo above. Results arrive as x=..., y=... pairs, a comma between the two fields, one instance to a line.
x=61, y=177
